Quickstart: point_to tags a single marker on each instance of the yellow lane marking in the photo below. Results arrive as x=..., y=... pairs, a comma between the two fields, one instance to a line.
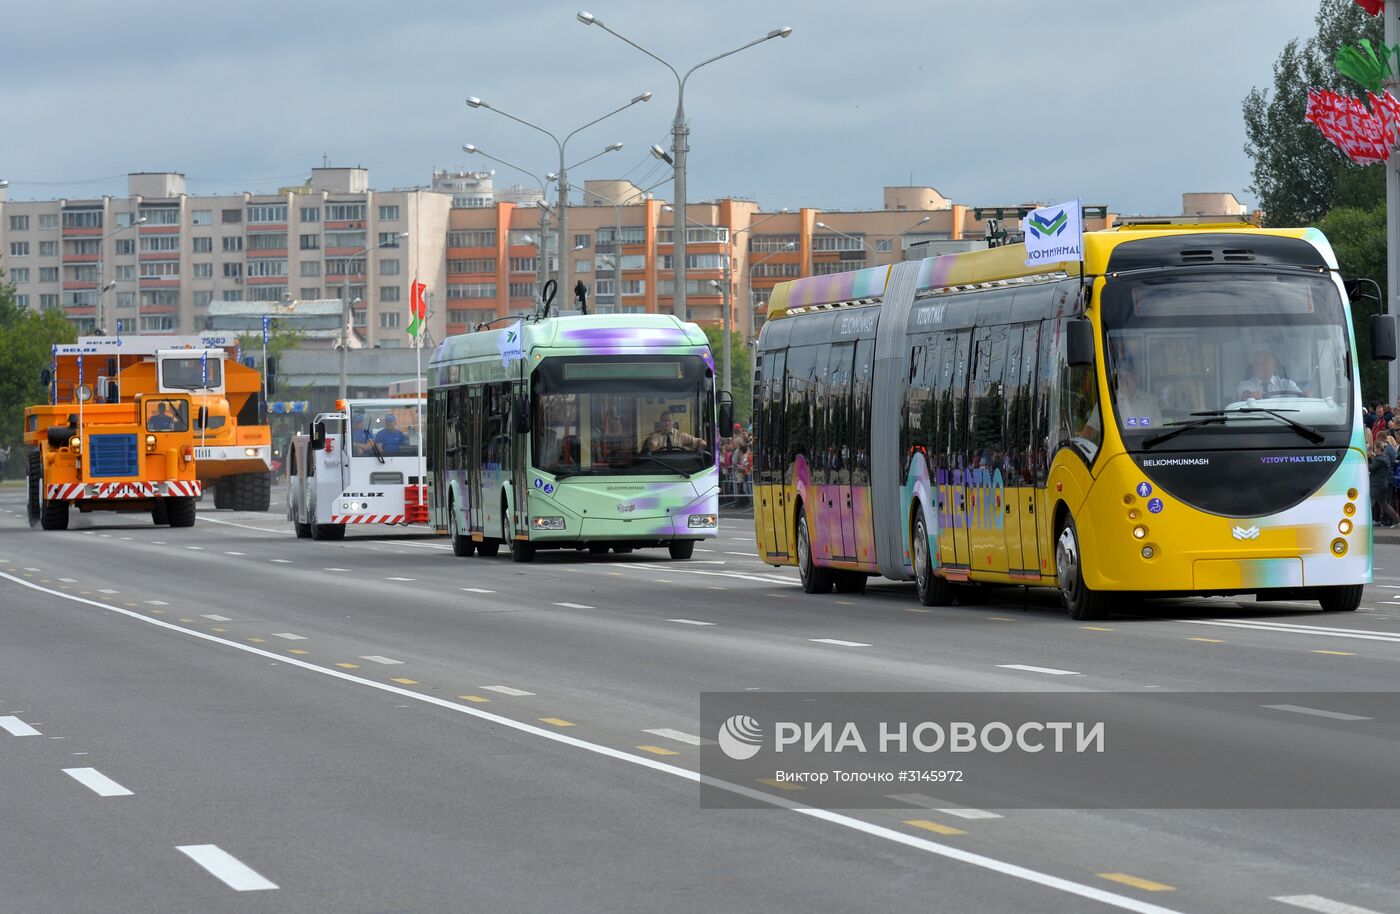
x=84, y=592
x=476, y=698
x=348, y=666
x=934, y=827
x=1336, y=653
x=844, y=603
x=917, y=609
x=714, y=587
x=556, y=721
x=406, y=681
x=1095, y=628
x=658, y=750
x=780, y=596
x=157, y=611
x=1137, y=882
x=615, y=574
x=186, y=620
x=297, y=650
x=999, y=619
x=1207, y=640
x=781, y=785
x=663, y=580
x=218, y=629
x=258, y=640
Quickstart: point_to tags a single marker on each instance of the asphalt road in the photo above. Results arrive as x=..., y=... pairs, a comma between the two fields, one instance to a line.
x=226, y=718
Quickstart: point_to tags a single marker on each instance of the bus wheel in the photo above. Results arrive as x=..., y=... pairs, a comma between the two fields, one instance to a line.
x=160, y=513
x=326, y=531
x=520, y=550
x=933, y=590
x=1083, y=604
x=681, y=549
x=850, y=582
x=814, y=579
x=488, y=548
x=461, y=545
x=34, y=502
x=303, y=530
x=180, y=510
x=223, y=495
x=1343, y=599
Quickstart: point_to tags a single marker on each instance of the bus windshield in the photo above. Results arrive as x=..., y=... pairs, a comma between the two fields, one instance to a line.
x=1230, y=354
x=377, y=432
x=628, y=415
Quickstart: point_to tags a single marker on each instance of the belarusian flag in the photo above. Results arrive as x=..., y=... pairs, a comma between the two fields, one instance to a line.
x=418, y=304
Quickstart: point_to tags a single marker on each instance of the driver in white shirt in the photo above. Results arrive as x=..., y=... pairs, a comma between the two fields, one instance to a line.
x=1265, y=379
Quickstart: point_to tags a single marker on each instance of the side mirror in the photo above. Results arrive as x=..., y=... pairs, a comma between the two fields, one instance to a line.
x=46, y=377
x=201, y=418
x=1383, y=337
x=1079, y=342
x=318, y=436
x=726, y=414
x=521, y=409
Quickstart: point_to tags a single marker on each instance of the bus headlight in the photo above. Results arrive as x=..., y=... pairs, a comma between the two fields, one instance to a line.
x=1140, y=532
x=1149, y=551
x=75, y=443
x=250, y=452
x=707, y=521
x=1339, y=547
x=547, y=523
x=150, y=443
x=1344, y=526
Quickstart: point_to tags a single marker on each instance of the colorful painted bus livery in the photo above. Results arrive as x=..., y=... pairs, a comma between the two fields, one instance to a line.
x=1177, y=414
x=574, y=431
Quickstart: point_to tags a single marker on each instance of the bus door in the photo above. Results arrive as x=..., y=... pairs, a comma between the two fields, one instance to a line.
x=471, y=451
x=519, y=458
x=1014, y=435
x=1021, y=441
x=838, y=520
x=861, y=539
x=986, y=481
x=771, y=451
x=441, y=426
x=957, y=353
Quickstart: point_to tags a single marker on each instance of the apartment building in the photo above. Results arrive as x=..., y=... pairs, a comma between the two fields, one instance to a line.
x=156, y=259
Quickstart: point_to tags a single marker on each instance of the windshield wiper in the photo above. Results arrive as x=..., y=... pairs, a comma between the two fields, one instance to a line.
x=665, y=463
x=1180, y=428
x=1307, y=431
x=374, y=446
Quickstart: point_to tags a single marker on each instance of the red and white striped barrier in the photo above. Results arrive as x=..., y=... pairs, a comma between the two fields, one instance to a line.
x=367, y=518
x=74, y=491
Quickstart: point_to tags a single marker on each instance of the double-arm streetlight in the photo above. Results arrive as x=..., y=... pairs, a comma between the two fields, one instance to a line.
x=563, y=271
x=103, y=286
x=345, y=310
x=680, y=137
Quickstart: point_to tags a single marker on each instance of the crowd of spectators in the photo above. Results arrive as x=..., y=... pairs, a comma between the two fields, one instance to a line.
x=736, y=467
x=1382, y=424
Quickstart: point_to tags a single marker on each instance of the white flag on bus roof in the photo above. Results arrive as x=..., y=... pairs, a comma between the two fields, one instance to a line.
x=1054, y=234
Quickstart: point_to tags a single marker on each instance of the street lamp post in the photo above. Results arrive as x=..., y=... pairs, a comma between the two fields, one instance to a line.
x=102, y=287
x=563, y=271
x=785, y=249
x=680, y=135
x=345, y=305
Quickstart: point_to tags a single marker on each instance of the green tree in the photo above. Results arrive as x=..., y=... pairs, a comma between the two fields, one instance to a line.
x=27, y=339
x=1298, y=174
x=741, y=371
x=1358, y=238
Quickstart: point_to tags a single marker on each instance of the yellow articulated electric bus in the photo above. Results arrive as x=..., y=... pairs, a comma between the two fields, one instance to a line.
x=1177, y=414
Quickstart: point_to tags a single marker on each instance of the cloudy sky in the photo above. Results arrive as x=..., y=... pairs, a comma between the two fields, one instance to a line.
x=1126, y=102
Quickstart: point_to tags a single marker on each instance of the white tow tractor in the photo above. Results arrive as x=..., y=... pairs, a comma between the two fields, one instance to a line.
x=362, y=464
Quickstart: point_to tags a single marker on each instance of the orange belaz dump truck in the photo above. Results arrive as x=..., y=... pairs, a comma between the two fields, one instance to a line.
x=233, y=450
x=132, y=455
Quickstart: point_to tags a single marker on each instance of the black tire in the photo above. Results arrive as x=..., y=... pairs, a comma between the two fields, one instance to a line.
x=521, y=551
x=34, y=502
x=180, y=510
x=257, y=492
x=488, y=548
x=622, y=550
x=54, y=515
x=223, y=494
x=160, y=513
x=681, y=549
x=326, y=531
x=1342, y=599
x=597, y=550
x=1084, y=605
x=851, y=581
x=303, y=530
x=814, y=579
x=462, y=546
x=932, y=589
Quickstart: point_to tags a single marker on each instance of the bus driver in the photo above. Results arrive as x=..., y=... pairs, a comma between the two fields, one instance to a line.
x=668, y=437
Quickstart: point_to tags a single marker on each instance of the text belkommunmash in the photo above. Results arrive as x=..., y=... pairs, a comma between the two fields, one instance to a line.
x=952, y=736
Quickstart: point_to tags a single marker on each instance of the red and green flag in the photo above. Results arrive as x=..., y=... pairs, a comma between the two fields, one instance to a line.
x=418, y=304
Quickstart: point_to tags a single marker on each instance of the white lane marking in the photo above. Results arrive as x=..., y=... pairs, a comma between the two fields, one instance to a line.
x=970, y=813
x=226, y=868
x=214, y=617
x=1307, y=629
x=235, y=553
x=398, y=579
x=477, y=590
x=574, y=606
x=283, y=561
x=1316, y=712
x=196, y=548
x=69, y=580
x=751, y=555
x=760, y=578
x=289, y=636
x=839, y=642
x=923, y=801
x=229, y=523
x=1325, y=905
x=507, y=690
x=107, y=590
x=16, y=727
x=335, y=569
x=677, y=735
x=689, y=622
x=126, y=538
x=916, y=842
x=32, y=568
x=1300, y=630
x=376, y=658
x=1049, y=671
x=157, y=542
x=156, y=603
x=97, y=782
